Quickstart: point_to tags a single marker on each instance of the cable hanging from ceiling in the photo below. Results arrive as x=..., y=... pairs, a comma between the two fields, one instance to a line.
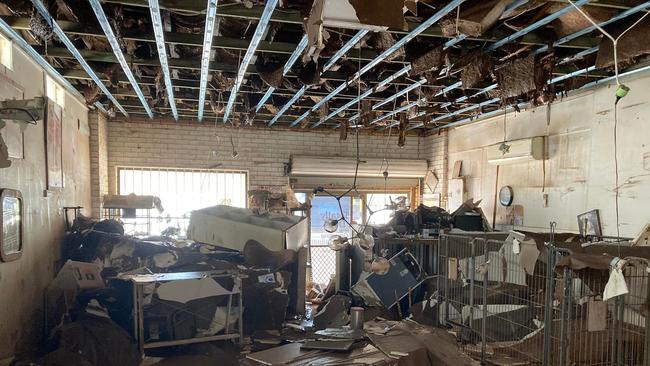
x=359, y=236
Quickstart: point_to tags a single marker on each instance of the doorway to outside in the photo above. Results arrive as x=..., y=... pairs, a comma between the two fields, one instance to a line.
x=323, y=259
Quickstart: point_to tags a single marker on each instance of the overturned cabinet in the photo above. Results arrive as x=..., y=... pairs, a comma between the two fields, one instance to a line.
x=231, y=227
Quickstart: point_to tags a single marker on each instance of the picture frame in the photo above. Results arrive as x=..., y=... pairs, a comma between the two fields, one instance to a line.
x=589, y=224
x=11, y=221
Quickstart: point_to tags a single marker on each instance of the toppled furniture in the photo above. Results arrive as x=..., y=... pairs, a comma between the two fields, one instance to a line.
x=231, y=227
x=174, y=318
x=388, y=289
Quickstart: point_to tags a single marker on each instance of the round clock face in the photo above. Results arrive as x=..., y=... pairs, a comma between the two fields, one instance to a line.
x=505, y=196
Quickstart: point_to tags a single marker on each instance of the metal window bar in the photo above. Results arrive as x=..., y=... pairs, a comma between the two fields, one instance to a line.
x=180, y=189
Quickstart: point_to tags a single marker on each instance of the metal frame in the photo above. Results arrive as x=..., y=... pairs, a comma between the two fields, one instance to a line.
x=138, y=283
x=156, y=22
x=287, y=67
x=348, y=45
x=564, y=337
x=117, y=51
x=384, y=55
x=260, y=31
x=42, y=10
x=210, y=20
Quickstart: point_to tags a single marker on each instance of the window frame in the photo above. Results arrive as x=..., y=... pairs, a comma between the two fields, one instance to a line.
x=120, y=168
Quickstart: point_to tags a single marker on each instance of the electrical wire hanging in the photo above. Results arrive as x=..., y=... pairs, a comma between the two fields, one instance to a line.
x=621, y=92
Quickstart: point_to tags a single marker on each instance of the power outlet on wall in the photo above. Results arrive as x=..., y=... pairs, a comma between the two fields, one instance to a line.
x=545, y=200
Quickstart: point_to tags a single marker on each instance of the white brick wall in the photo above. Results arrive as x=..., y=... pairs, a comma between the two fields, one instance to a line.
x=436, y=148
x=98, y=160
x=262, y=152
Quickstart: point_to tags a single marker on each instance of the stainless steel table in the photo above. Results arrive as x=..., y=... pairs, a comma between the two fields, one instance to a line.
x=140, y=281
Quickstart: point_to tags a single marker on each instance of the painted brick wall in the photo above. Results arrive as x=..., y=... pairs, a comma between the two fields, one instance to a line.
x=98, y=160
x=435, y=148
x=262, y=152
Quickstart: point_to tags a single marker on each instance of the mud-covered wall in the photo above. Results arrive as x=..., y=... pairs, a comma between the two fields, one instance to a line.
x=22, y=282
x=579, y=175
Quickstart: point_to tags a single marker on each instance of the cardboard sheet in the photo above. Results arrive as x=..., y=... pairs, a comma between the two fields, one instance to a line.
x=596, y=316
x=184, y=291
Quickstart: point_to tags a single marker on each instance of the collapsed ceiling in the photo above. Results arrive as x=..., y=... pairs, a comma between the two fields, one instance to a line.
x=327, y=63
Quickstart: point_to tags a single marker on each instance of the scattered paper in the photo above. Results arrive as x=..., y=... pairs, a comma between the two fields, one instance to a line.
x=616, y=285
x=184, y=291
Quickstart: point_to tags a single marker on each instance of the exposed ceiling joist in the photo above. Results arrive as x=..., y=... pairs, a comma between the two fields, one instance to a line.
x=44, y=13
x=157, y=23
x=117, y=51
x=206, y=52
x=260, y=32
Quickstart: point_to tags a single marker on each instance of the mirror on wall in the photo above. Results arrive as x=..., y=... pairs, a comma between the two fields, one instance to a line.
x=11, y=240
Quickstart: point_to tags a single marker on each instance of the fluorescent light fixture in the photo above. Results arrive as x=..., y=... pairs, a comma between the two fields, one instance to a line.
x=287, y=67
x=156, y=22
x=262, y=26
x=42, y=10
x=348, y=45
x=208, y=33
x=117, y=51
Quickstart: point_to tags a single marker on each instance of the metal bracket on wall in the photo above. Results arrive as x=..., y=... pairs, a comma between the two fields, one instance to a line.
x=23, y=110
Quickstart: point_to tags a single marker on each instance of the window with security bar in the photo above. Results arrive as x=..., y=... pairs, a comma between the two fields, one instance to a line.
x=181, y=191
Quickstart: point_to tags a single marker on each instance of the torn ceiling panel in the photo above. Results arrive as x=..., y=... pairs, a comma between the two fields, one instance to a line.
x=476, y=17
x=515, y=77
x=573, y=21
x=525, y=76
x=430, y=61
x=478, y=69
x=389, y=14
x=632, y=45
x=334, y=24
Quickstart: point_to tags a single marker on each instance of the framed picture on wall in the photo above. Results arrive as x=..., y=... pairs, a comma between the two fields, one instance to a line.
x=11, y=220
x=53, y=145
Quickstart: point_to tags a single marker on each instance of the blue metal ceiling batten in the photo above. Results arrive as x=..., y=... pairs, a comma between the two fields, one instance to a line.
x=354, y=40
x=210, y=20
x=407, y=38
x=552, y=81
x=400, y=93
x=397, y=111
x=547, y=19
x=367, y=93
x=117, y=51
x=523, y=105
x=260, y=30
x=399, y=44
x=287, y=67
x=288, y=105
x=156, y=22
x=578, y=55
x=42, y=10
x=565, y=39
x=591, y=28
x=348, y=45
x=49, y=69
